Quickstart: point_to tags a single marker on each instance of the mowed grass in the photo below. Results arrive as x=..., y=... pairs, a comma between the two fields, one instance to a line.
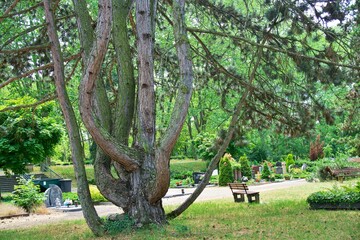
x=282, y=214
x=187, y=165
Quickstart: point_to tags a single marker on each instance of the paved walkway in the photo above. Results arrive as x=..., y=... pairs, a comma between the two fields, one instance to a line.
x=173, y=197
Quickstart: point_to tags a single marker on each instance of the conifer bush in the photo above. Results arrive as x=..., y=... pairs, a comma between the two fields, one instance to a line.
x=245, y=167
x=226, y=174
x=289, y=160
x=266, y=173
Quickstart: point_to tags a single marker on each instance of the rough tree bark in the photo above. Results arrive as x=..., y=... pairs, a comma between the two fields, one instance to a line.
x=90, y=214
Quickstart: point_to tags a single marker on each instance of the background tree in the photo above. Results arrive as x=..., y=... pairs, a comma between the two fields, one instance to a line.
x=27, y=136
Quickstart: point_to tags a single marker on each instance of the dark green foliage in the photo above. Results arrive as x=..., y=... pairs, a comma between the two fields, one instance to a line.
x=226, y=174
x=27, y=136
x=345, y=194
x=27, y=195
x=6, y=198
x=245, y=167
x=259, y=153
x=266, y=173
x=310, y=165
x=120, y=224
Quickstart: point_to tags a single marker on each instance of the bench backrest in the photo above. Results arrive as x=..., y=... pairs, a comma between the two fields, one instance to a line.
x=238, y=186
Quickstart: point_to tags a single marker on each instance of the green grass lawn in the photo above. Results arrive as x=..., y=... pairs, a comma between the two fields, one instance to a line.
x=282, y=214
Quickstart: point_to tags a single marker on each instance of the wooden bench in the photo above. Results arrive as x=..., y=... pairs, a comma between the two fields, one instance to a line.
x=340, y=174
x=239, y=190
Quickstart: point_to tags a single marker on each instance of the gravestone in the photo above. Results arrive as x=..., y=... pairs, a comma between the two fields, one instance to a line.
x=303, y=167
x=279, y=170
x=51, y=194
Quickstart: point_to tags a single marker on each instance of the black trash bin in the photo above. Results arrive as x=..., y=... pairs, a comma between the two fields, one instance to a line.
x=197, y=176
x=65, y=185
x=46, y=182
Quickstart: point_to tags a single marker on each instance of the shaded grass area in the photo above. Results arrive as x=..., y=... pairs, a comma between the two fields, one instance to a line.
x=283, y=214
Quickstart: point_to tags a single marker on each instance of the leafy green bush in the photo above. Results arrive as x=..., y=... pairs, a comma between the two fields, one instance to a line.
x=266, y=173
x=245, y=167
x=27, y=195
x=96, y=196
x=226, y=174
x=204, y=143
x=345, y=194
x=122, y=223
x=6, y=197
x=181, y=175
x=70, y=195
x=278, y=176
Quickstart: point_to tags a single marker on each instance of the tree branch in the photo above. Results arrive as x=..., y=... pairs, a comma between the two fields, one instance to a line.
x=26, y=49
x=93, y=220
x=182, y=102
x=28, y=30
x=272, y=48
x=43, y=67
x=7, y=15
x=12, y=6
x=32, y=105
x=116, y=151
x=215, y=160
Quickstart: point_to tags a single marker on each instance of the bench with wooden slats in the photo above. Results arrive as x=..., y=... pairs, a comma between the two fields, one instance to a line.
x=239, y=190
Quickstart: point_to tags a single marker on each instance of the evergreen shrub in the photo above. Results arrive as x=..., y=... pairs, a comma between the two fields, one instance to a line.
x=245, y=167
x=226, y=174
x=289, y=160
x=266, y=173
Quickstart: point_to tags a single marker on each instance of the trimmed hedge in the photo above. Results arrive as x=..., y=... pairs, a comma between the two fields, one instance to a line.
x=340, y=196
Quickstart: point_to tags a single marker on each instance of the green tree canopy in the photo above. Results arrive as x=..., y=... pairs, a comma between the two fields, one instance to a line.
x=27, y=136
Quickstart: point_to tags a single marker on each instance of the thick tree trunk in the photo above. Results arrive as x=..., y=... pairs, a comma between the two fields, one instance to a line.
x=141, y=180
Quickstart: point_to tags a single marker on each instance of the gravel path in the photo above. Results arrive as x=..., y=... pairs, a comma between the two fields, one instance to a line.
x=173, y=197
